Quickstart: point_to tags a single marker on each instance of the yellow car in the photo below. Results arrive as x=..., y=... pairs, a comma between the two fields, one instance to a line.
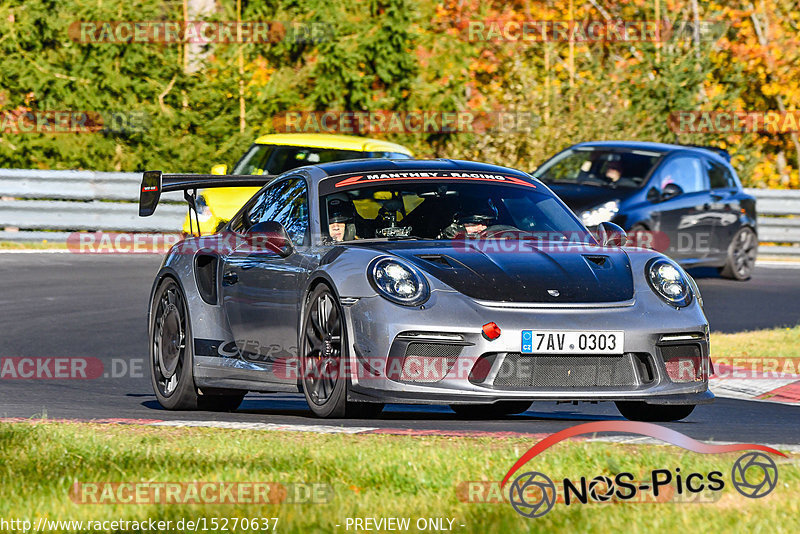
x=278, y=153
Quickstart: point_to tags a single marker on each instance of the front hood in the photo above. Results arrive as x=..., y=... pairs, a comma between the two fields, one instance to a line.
x=580, y=197
x=523, y=273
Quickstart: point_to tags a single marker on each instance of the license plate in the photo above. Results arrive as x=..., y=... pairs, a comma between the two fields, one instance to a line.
x=572, y=342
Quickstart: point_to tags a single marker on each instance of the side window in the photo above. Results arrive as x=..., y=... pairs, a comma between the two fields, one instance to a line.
x=719, y=176
x=285, y=202
x=293, y=213
x=241, y=221
x=684, y=172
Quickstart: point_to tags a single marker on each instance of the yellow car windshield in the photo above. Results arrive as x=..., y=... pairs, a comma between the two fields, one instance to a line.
x=275, y=159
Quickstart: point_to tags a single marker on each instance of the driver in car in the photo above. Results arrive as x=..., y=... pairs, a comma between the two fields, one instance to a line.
x=475, y=216
x=613, y=171
x=341, y=219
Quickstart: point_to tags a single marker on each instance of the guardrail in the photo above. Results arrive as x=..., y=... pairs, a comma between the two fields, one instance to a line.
x=776, y=227
x=50, y=204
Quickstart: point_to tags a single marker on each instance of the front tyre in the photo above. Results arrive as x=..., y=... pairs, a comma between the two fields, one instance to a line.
x=741, y=257
x=324, y=359
x=653, y=413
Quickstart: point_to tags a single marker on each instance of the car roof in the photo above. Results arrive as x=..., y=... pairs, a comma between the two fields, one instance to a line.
x=336, y=168
x=341, y=142
x=662, y=148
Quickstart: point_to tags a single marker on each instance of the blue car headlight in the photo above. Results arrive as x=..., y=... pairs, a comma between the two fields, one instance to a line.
x=599, y=214
x=669, y=281
x=398, y=281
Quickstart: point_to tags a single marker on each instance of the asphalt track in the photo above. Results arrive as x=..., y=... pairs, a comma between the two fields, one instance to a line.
x=71, y=305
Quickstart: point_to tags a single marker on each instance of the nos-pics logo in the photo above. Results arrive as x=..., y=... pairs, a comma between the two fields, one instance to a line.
x=533, y=494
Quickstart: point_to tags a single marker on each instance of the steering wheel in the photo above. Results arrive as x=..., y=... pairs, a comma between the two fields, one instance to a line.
x=498, y=230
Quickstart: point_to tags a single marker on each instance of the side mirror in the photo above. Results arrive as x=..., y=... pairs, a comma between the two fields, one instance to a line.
x=219, y=168
x=671, y=191
x=609, y=234
x=653, y=195
x=270, y=236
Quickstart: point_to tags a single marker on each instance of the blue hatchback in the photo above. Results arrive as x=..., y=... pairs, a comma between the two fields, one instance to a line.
x=685, y=201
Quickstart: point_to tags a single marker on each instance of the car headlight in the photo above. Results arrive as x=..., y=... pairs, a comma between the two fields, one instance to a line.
x=602, y=213
x=669, y=281
x=695, y=289
x=398, y=281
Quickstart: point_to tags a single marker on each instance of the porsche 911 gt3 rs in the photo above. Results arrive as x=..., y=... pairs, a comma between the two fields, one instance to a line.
x=367, y=282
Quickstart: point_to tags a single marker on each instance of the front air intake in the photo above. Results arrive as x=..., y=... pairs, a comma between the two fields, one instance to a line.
x=522, y=371
x=423, y=363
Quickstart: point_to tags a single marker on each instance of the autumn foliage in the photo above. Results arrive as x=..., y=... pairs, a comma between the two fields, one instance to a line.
x=204, y=104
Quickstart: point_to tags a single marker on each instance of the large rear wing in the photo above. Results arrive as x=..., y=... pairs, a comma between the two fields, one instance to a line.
x=155, y=182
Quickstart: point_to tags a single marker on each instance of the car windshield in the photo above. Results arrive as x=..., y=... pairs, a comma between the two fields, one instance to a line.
x=599, y=166
x=277, y=159
x=447, y=210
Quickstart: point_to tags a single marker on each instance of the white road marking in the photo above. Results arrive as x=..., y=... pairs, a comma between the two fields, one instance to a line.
x=789, y=264
x=745, y=388
x=235, y=425
x=329, y=429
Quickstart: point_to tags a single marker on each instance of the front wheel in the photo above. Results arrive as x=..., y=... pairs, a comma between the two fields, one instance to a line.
x=323, y=359
x=490, y=411
x=741, y=257
x=653, y=413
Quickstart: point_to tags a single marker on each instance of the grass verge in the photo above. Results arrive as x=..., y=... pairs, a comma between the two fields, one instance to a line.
x=368, y=476
x=774, y=343
x=773, y=353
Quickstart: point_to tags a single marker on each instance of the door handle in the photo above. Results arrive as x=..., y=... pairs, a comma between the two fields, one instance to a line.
x=229, y=278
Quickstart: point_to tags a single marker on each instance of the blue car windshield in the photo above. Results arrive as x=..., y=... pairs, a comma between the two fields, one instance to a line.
x=599, y=166
x=447, y=210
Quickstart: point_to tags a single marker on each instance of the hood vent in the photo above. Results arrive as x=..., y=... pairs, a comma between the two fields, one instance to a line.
x=440, y=260
x=597, y=261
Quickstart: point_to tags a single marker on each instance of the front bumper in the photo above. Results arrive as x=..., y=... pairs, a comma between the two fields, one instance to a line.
x=476, y=370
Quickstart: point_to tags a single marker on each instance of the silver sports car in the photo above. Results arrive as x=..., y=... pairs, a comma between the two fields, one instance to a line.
x=371, y=281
